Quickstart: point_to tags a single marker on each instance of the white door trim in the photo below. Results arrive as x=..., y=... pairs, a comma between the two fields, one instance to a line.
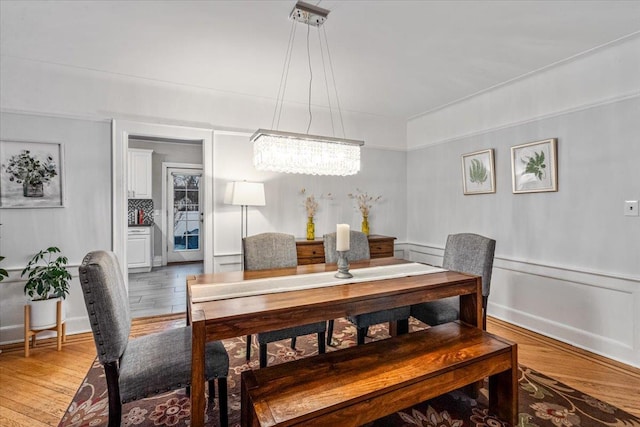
x=164, y=226
x=121, y=130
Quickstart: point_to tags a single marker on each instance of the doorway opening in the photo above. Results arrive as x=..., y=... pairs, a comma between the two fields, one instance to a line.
x=163, y=289
x=174, y=205
x=122, y=130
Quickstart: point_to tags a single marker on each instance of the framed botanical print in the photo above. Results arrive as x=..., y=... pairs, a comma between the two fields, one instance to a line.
x=534, y=167
x=31, y=174
x=478, y=172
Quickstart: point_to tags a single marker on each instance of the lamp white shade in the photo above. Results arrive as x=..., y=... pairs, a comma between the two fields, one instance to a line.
x=244, y=193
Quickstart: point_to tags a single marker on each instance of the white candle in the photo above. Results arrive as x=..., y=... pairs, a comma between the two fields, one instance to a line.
x=342, y=237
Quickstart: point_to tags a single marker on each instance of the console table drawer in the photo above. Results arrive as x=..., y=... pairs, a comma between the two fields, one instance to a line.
x=312, y=251
x=381, y=246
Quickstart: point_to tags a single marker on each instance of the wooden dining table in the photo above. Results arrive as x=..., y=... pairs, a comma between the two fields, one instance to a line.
x=244, y=315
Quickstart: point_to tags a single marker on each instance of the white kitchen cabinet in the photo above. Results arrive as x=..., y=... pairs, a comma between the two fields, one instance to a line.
x=139, y=249
x=139, y=173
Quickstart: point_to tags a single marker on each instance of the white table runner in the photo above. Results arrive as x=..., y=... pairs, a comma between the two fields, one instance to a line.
x=202, y=293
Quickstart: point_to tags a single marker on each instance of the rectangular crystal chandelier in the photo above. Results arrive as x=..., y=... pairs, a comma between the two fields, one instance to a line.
x=290, y=152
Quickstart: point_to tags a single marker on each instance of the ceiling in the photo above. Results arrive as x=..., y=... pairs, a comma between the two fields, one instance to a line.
x=391, y=58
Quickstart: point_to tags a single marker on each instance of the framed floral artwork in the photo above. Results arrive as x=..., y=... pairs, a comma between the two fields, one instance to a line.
x=31, y=175
x=534, y=166
x=478, y=172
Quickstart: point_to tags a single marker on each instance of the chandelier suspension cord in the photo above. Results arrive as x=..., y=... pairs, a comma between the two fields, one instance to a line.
x=283, y=77
x=326, y=83
x=310, y=76
x=333, y=76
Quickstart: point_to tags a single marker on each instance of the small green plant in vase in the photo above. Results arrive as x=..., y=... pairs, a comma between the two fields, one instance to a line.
x=47, y=282
x=50, y=280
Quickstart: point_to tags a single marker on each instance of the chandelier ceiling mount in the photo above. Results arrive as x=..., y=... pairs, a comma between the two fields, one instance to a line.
x=292, y=152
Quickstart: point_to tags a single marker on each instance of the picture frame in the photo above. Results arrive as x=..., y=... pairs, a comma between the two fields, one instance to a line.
x=478, y=172
x=31, y=174
x=534, y=167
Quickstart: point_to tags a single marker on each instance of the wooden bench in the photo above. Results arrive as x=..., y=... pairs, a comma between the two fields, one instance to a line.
x=360, y=384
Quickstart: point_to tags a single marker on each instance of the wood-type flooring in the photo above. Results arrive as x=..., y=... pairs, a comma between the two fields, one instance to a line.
x=160, y=291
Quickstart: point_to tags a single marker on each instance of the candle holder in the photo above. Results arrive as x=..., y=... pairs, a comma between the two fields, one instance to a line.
x=343, y=266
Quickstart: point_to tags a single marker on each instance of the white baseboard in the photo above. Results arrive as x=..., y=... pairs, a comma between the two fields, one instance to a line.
x=227, y=262
x=597, y=344
x=15, y=333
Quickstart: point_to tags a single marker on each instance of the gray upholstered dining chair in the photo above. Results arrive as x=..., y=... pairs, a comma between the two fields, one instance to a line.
x=359, y=250
x=148, y=365
x=465, y=253
x=276, y=250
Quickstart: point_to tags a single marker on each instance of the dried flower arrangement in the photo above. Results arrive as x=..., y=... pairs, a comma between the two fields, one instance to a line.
x=364, y=201
x=310, y=202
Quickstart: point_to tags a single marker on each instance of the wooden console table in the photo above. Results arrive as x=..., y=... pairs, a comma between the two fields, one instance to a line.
x=312, y=251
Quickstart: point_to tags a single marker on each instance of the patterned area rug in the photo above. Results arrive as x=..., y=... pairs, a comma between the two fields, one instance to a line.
x=543, y=401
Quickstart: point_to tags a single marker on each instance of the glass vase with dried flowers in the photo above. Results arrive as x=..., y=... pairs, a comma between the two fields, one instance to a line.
x=364, y=203
x=311, y=206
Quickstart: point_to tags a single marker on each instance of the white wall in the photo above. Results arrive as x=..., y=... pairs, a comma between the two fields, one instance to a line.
x=83, y=225
x=567, y=262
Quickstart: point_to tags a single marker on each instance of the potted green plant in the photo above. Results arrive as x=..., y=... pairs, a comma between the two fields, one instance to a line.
x=47, y=283
x=31, y=172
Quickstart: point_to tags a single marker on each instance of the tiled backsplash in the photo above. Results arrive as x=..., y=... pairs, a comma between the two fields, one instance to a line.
x=144, y=205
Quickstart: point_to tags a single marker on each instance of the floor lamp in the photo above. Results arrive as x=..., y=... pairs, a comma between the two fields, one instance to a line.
x=244, y=194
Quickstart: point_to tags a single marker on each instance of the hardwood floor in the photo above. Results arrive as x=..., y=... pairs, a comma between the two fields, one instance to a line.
x=36, y=391
x=161, y=291
x=605, y=379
